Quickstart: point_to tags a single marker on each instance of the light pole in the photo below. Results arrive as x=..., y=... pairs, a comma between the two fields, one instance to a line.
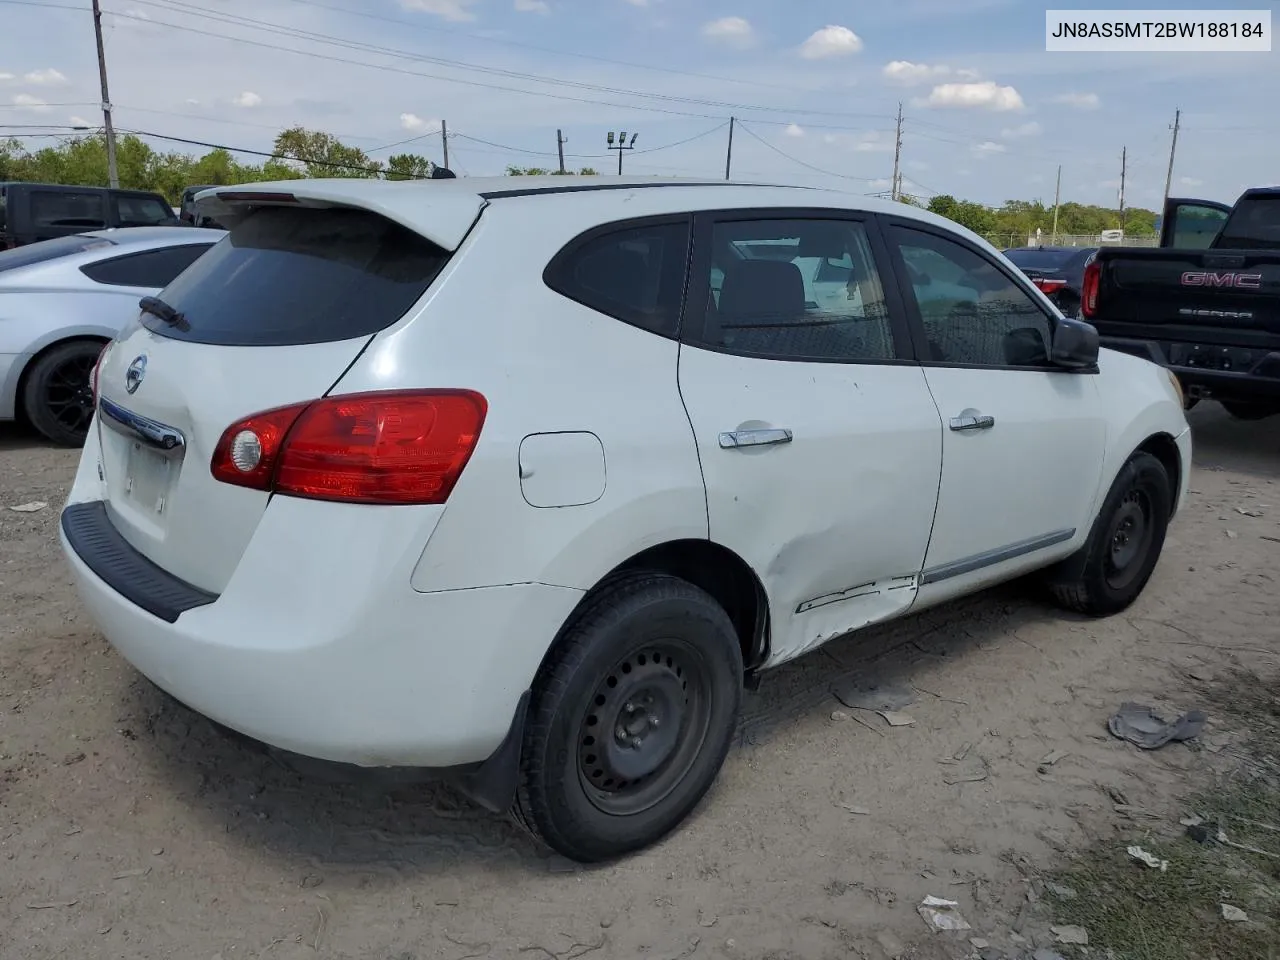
x=621, y=144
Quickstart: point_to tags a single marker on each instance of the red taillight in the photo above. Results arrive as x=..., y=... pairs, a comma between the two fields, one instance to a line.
x=95, y=378
x=1049, y=286
x=1089, y=290
x=402, y=447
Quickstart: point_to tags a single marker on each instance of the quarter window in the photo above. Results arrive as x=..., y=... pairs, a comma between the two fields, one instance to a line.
x=634, y=274
x=973, y=313
x=142, y=211
x=155, y=268
x=796, y=289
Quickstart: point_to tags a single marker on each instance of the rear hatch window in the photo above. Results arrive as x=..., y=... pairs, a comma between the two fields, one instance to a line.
x=47, y=250
x=296, y=275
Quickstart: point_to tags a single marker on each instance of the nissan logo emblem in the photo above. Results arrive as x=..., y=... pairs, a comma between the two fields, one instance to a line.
x=133, y=376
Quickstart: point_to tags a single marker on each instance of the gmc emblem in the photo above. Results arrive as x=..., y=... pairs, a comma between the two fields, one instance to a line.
x=1244, y=281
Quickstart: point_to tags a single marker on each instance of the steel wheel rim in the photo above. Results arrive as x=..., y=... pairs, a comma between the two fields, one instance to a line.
x=68, y=395
x=1129, y=539
x=644, y=727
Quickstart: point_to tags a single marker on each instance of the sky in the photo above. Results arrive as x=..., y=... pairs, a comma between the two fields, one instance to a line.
x=814, y=86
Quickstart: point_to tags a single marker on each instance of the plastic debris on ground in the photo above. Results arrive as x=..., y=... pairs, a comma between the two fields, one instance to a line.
x=32, y=507
x=870, y=695
x=1150, y=859
x=942, y=915
x=1143, y=727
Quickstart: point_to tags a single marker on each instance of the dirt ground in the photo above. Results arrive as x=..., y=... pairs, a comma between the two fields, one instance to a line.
x=130, y=827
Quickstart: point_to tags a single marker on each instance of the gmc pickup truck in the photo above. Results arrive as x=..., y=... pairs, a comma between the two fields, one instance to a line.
x=1205, y=304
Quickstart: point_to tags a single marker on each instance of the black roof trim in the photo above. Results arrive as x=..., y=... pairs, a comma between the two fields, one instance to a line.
x=584, y=187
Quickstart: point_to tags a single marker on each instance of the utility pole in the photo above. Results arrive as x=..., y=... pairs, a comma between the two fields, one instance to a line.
x=1057, y=195
x=113, y=174
x=560, y=148
x=444, y=141
x=1173, y=148
x=728, y=157
x=621, y=145
x=896, y=186
x=1123, y=166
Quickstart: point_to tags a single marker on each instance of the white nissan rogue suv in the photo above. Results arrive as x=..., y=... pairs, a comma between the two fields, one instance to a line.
x=520, y=481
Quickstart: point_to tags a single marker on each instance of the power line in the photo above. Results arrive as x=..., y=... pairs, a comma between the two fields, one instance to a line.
x=829, y=173
x=178, y=6
x=259, y=153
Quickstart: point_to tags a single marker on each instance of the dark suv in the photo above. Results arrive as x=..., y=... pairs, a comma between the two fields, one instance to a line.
x=42, y=211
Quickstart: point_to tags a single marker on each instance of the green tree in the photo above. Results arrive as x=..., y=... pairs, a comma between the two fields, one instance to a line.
x=408, y=166
x=324, y=155
x=514, y=171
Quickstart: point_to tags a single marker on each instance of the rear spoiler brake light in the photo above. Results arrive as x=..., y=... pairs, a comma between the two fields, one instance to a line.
x=251, y=196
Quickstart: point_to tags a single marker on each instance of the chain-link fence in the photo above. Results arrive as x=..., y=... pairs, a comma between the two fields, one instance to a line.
x=1004, y=241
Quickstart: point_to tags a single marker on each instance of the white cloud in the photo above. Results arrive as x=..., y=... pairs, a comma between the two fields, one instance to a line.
x=988, y=148
x=416, y=124
x=24, y=101
x=1029, y=129
x=873, y=142
x=532, y=6
x=638, y=3
x=193, y=101
x=455, y=10
x=78, y=122
x=733, y=31
x=794, y=130
x=1190, y=182
x=247, y=99
x=137, y=12
x=984, y=95
x=882, y=183
x=5, y=76
x=917, y=165
x=830, y=41
x=906, y=73
x=1081, y=101
x=45, y=78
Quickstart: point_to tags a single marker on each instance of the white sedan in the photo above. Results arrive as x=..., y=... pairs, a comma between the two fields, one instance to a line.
x=61, y=300
x=521, y=482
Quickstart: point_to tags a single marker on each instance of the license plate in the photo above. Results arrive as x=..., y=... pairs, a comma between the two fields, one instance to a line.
x=148, y=478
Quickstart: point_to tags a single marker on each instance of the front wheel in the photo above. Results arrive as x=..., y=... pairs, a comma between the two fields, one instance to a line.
x=57, y=395
x=631, y=718
x=1114, y=565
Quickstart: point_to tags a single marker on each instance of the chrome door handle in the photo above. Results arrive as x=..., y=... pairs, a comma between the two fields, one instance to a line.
x=732, y=439
x=978, y=422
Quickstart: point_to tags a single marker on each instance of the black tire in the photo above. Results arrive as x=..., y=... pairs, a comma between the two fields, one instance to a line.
x=646, y=647
x=1114, y=565
x=56, y=395
x=1244, y=410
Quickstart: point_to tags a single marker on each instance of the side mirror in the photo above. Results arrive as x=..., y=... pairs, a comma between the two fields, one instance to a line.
x=1075, y=345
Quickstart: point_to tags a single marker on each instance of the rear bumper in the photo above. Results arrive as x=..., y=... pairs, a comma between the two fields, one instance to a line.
x=318, y=653
x=1215, y=371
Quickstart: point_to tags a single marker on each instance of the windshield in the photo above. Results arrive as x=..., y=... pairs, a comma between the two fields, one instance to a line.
x=49, y=250
x=1033, y=259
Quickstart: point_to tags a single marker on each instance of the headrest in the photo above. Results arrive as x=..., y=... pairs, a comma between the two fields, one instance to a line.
x=761, y=291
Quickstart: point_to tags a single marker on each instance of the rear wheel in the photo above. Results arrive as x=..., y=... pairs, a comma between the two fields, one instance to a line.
x=57, y=395
x=1117, y=560
x=1244, y=410
x=631, y=718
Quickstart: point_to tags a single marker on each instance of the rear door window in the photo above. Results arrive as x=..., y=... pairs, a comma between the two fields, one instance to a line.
x=67, y=208
x=47, y=250
x=152, y=268
x=1254, y=224
x=288, y=276
x=141, y=211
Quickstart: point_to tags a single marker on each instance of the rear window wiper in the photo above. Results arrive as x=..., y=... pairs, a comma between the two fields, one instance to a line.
x=158, y=308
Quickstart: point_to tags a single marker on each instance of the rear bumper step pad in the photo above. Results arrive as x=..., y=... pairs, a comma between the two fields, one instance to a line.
x=118, y=563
